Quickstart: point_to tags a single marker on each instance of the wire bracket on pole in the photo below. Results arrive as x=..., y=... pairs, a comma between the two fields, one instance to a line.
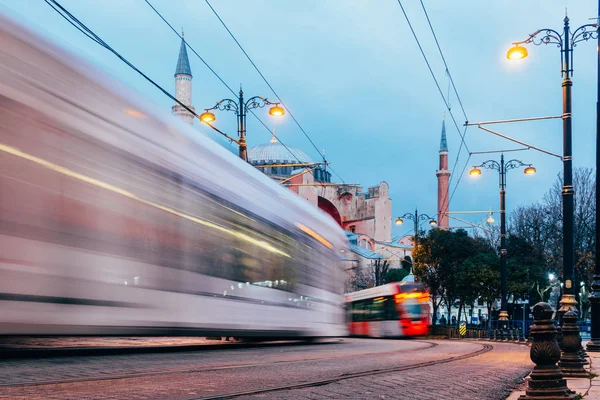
x=519, y=142
x=507, y=121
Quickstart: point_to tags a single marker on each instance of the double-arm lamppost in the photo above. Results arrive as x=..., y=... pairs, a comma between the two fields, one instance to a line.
x=502, y=169
x=241, y=108
x=416, y=217
x=566, y=42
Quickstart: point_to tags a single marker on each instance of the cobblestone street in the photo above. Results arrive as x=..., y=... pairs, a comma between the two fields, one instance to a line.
x=428, y=371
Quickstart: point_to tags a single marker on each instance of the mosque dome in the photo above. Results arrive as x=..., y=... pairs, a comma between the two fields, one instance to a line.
x=275, y=153
x=266, y=156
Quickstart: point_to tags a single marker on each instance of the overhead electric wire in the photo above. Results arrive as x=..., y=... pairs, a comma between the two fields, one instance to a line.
x=267, y=82
x=431, y=72
x=444, y=60
x=216, y=74
x=91, y=35
x=446, y=101
x=72, y=23
x=451, y=81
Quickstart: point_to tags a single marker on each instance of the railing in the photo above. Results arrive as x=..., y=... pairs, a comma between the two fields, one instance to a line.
x=476, y=331
x=452, y=332
x=524, y=326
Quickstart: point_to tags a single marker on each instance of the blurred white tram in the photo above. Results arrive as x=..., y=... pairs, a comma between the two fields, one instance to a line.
x=117, y=218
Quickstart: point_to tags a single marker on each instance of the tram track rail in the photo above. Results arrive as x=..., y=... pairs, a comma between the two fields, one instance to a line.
x=320, y=382
x=14, y=352
x=167, y=349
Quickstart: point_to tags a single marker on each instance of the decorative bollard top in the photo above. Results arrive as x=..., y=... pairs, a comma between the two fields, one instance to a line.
x=542, y=311
x=570, y=317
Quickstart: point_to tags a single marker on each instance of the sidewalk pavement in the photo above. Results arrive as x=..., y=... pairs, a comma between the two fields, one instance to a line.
x=588, y=388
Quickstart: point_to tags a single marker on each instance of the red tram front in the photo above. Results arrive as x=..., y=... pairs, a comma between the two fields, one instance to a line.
x=392, y=310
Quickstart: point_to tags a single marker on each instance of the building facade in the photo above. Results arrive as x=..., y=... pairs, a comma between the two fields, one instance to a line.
x=365, y=215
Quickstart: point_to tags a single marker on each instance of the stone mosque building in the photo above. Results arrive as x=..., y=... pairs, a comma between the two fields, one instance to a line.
x=365, y=215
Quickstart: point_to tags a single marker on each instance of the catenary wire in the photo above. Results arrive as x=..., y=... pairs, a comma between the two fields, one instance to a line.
x=444, y=60
x=72, y=23
x=450, y=82
x=432, y=74
x=267, y=82
x=216, y=74
x=90, y=34
x=446, y=101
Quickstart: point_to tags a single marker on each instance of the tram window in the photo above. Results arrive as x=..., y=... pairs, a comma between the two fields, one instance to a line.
x=377, y=309
x=392, y=311
x=359, y=312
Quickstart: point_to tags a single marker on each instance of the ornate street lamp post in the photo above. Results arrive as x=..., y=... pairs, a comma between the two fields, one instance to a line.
x=416, y=217
x=502, y=169
x=241, y=108
x=566, y=42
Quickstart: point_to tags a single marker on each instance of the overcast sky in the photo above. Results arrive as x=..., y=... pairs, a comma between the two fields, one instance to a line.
x=353, y=76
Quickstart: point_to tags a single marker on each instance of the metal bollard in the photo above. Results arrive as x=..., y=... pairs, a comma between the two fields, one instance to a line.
x=571, y=363
x=546, y=380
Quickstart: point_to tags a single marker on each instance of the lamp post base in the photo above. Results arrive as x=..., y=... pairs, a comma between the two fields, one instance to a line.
x=571, y=364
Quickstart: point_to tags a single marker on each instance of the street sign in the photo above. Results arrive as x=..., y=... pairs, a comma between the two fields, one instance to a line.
x=462, y=329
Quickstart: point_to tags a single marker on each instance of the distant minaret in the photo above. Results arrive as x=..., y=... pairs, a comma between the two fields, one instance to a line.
x=183, y=85
x=443, y=176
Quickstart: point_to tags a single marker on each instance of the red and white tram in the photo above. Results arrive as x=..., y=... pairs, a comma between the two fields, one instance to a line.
x=392, y=310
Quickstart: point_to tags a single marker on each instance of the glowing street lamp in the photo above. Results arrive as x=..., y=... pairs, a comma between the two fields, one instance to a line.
x=502, y=169
x=241, y=108
x=475, y=172
x=517, y=53
x=566, y=41
x=416, y=218
x=207, y=117
x=276, y=111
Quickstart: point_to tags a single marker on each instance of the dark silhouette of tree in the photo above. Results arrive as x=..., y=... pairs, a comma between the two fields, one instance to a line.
x=540, y=225
x=380, y=268
x=396, y=275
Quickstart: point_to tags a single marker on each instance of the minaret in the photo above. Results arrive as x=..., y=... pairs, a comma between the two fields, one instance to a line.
x=183, y=85
x=443, y=176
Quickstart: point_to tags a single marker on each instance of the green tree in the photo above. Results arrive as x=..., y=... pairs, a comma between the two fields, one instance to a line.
x=526, y=268
x=395, y=275
x=439, y=259
x=427, y=269
x=484, y=271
